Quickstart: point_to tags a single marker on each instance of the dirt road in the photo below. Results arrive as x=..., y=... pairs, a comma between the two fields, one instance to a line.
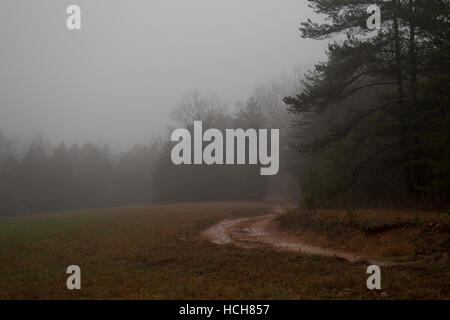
x=262, y=232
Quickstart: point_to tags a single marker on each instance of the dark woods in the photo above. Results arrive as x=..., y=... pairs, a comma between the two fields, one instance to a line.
x=368, y=127
x=48, y=179
x=374, y=119
x=72, y=177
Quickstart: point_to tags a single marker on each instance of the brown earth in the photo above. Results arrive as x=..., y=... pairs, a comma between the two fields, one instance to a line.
x=262, y=231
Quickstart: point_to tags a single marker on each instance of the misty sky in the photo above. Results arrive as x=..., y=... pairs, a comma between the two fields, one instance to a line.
x=117, y=79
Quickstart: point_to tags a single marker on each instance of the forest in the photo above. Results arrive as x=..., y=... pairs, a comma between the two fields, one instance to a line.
x=367, y=127
x=41, y=178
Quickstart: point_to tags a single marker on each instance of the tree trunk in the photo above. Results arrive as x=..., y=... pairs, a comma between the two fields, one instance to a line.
x=400, y=98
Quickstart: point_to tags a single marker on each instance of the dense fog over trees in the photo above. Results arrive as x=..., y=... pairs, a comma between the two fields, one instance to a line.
x=367, y=126
x=117, y=79
x=375, y=116
x=47, y=178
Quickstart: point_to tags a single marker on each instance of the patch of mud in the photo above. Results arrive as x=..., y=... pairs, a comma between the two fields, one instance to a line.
x=220, y=233
x=262, y=232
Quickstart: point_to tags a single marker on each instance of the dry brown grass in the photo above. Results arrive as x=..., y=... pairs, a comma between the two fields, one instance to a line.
x=153, y=252
x=380, y=233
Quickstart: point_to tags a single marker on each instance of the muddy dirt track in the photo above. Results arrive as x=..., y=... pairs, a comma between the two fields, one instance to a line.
x=261, y=232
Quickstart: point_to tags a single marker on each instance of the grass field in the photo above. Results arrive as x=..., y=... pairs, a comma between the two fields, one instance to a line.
x=154, y=252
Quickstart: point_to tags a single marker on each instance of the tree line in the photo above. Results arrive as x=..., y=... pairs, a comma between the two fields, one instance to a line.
x=373, y=119
x=46, y=178
x=369, y=126
x=71, y=177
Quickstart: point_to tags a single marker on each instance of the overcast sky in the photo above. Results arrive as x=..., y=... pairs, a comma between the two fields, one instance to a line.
x=117, y=79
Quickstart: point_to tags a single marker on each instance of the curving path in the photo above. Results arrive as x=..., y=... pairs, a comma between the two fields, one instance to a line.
x=262, y=232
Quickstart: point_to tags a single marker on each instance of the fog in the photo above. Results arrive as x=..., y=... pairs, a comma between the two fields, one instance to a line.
x=117, y=79
x=191, y=149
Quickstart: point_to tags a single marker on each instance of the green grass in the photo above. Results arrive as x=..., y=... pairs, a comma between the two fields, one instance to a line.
x=154, y=252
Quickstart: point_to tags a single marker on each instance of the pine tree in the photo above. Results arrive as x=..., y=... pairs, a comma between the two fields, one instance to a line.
x=380, y=83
